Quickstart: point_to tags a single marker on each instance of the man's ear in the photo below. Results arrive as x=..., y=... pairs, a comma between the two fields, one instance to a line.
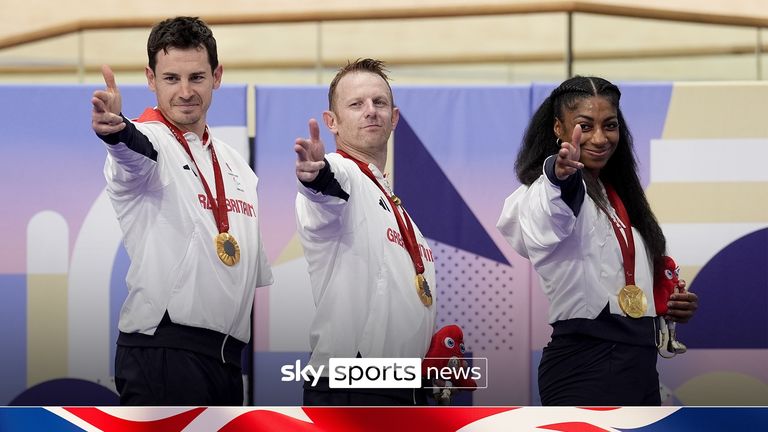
x=329, y=117
x=395, y=117
x=150, y=77
x=217, y=76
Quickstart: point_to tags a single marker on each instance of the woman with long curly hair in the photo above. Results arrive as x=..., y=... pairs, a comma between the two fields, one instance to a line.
x=582, y=219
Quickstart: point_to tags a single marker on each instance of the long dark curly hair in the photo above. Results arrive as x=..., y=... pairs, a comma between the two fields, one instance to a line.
x=620, y=171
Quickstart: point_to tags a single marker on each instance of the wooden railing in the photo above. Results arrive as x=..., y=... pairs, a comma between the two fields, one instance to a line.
x=393, y=13
x=399, y=13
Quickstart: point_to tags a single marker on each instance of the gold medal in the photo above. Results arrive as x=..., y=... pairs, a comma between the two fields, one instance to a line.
x=227, y=249
x=422, y=288
x=395, y=199
x=632, y=301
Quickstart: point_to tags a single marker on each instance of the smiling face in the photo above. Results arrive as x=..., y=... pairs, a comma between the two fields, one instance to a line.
x=600, y=130
x=183, y=83
x=363, y=114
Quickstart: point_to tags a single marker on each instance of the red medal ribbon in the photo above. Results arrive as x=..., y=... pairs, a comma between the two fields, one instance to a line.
x=627, y=245
x=219, y=205
x=406, y=228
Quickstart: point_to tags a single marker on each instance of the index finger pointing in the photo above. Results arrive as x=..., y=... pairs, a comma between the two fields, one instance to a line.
x=314, y=130
x=109, y=77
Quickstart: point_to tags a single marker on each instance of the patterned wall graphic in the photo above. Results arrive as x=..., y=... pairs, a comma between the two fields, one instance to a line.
x=62, y=266
x=711, y=192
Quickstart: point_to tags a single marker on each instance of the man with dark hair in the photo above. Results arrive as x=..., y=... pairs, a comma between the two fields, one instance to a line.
x=188, y=208
x=371, y=270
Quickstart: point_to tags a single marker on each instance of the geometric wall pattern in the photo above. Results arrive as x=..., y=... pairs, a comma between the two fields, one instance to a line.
x=698, y=146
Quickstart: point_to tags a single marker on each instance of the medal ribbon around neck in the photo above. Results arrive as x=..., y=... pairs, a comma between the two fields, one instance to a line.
x=631, y=298
x=227, y=248
x=407, y=232
x=627, y=245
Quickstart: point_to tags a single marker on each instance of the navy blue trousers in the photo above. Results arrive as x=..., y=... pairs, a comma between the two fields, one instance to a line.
x=169, y=376
x=578, y=370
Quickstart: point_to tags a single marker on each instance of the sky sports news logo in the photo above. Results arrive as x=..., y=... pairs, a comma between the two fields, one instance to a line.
x=351, y=373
